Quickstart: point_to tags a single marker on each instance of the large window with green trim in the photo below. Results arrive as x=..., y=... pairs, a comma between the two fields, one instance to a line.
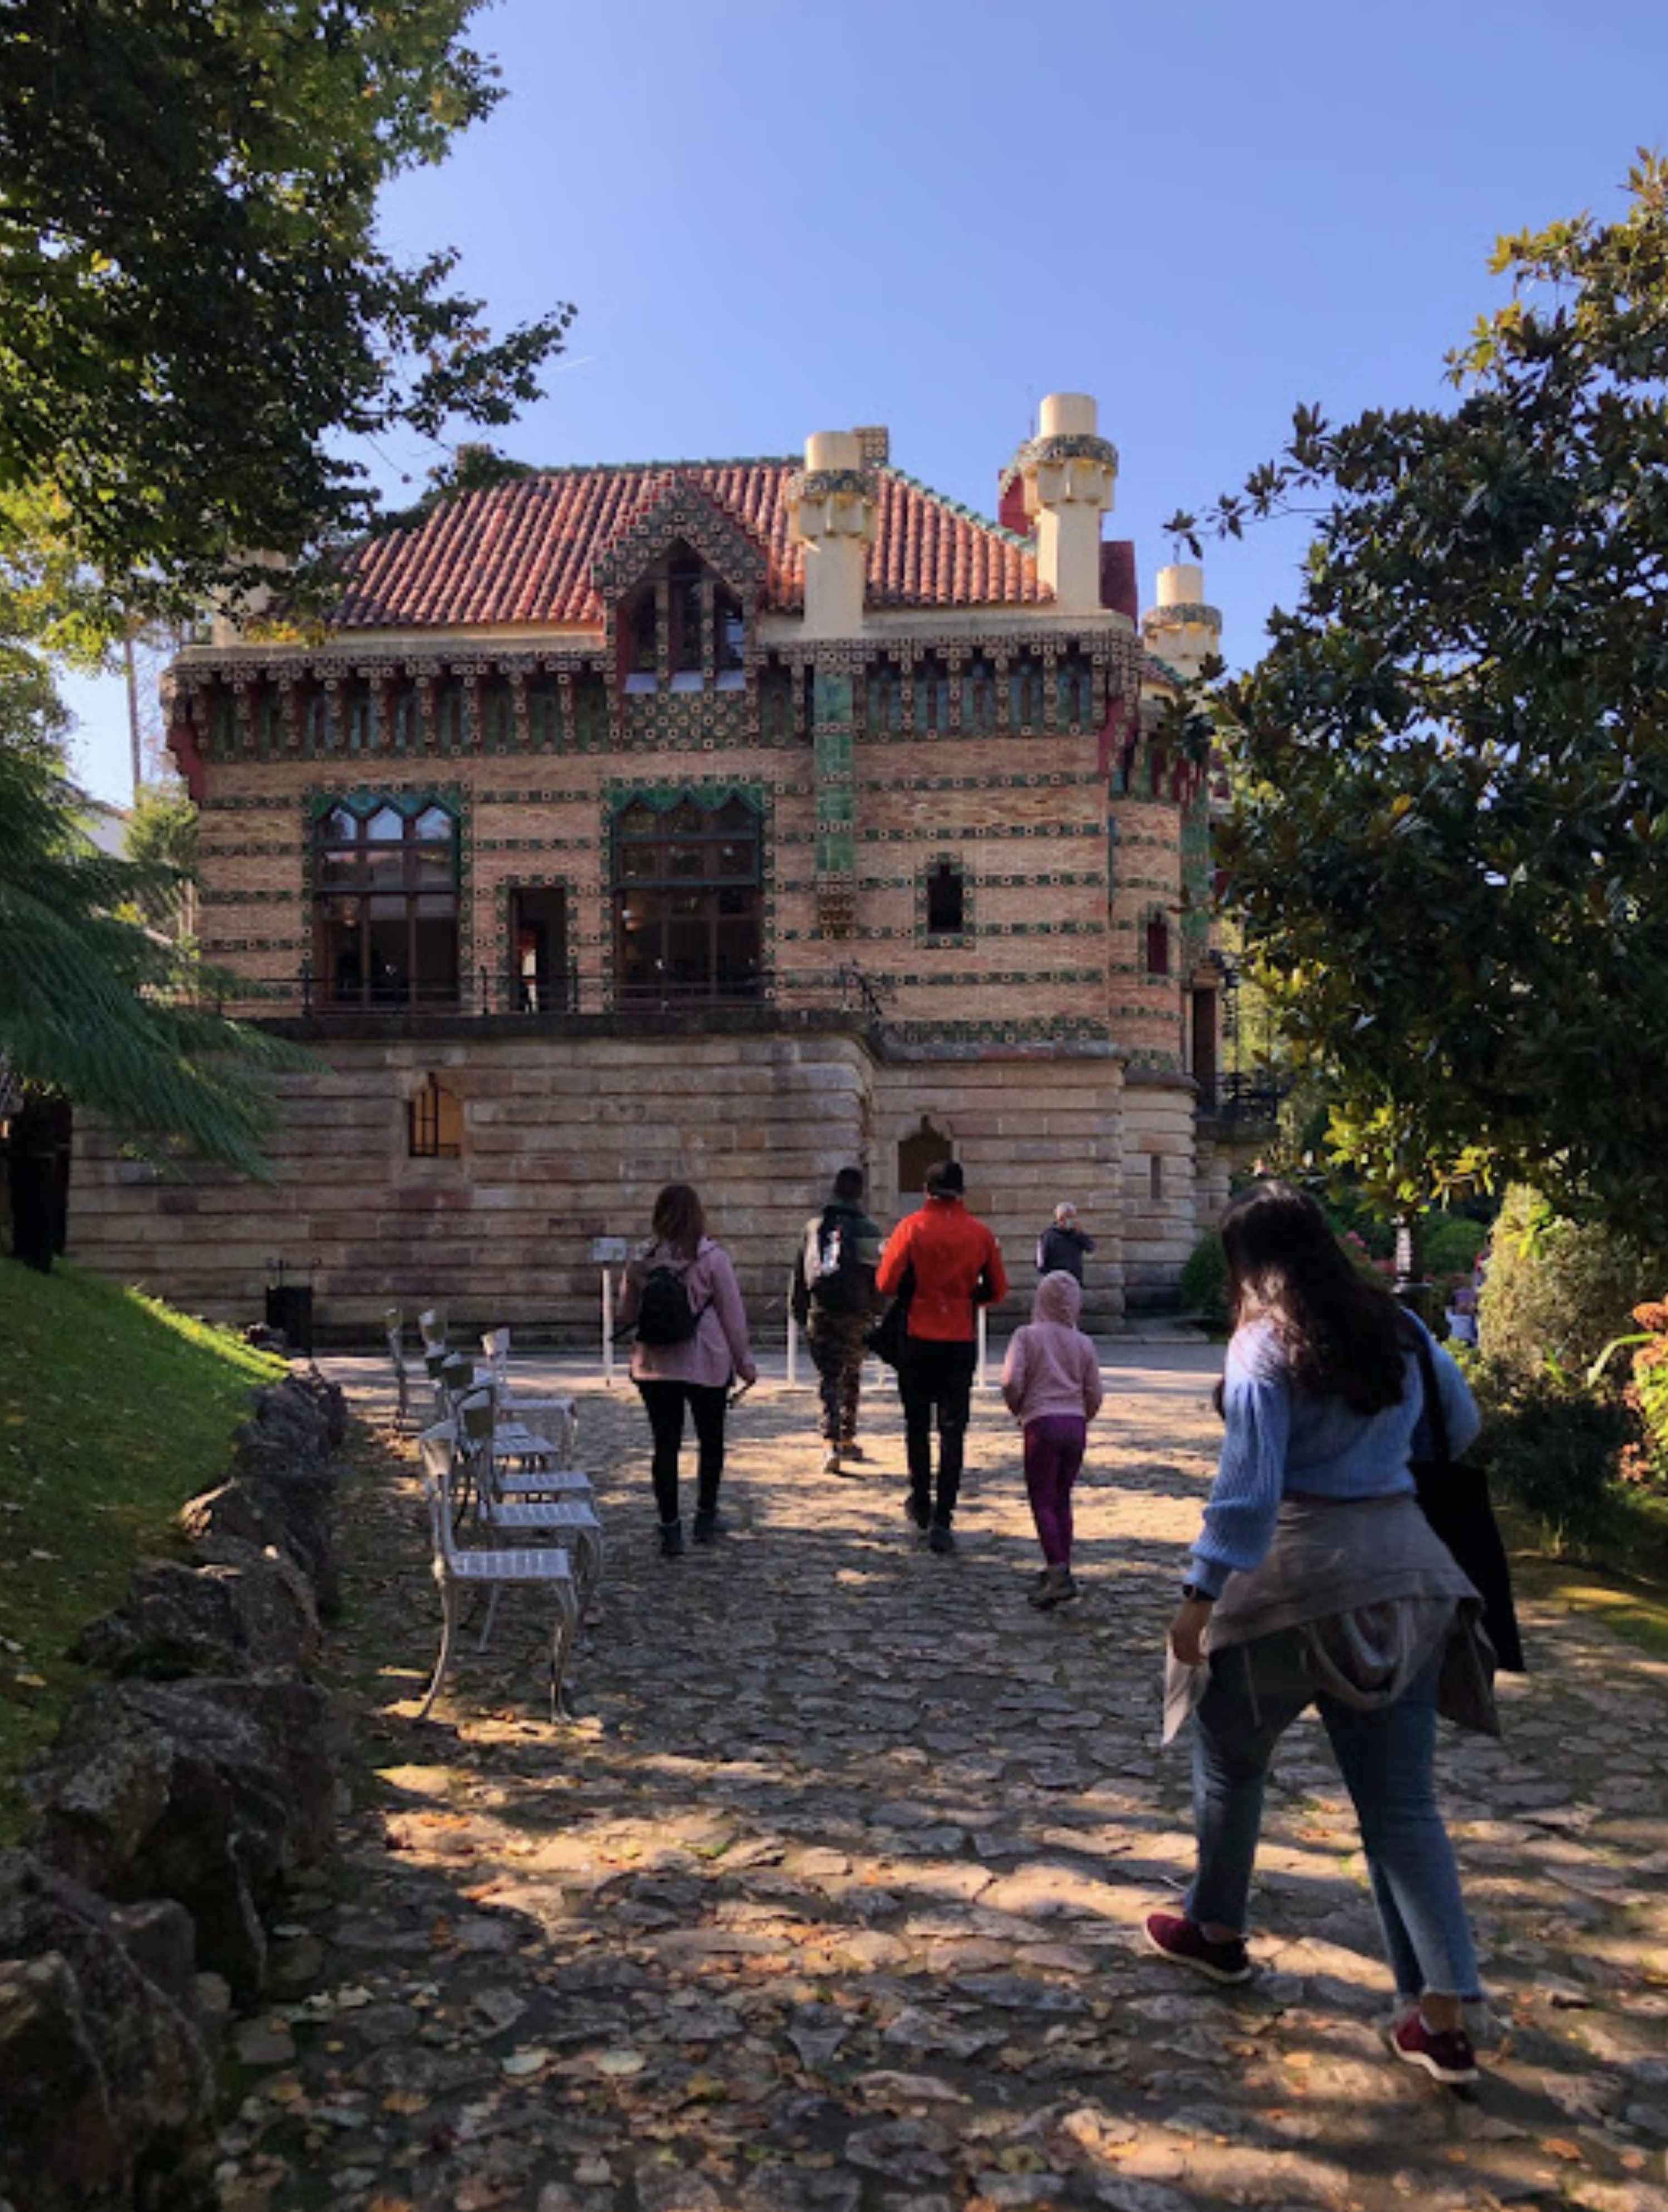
x=386, y=904
x=688, y=904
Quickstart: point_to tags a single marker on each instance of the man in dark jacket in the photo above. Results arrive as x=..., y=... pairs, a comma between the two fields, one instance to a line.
x=1063, y=1245
x=833, y=1302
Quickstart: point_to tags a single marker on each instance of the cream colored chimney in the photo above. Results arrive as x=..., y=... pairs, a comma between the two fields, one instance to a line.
x=1182, y=629
x=232, y=615
x=1069, y=471
x=831, y=504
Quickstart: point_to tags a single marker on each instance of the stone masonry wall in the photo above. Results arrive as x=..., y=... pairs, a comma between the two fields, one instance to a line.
x=564, y=1138
x=1028, y=1133
x=1161, y=1198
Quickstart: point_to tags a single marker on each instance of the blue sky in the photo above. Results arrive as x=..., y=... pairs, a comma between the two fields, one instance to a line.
x=774, y=219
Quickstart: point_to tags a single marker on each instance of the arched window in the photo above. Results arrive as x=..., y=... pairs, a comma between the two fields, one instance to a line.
x=729, y=639
x=1074, y=691
x=979, y=697
x=434, y=1123
x=316, y=729
x=946, y=900
x=882, y=709
x=1026, y=709
x=1157, y=946
x=684, y=594
x=688, y=907
x=932, y=694
x=223, y=717
x=385, y=906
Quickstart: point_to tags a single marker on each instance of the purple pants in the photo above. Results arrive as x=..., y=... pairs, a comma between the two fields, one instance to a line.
x=1053, y=1453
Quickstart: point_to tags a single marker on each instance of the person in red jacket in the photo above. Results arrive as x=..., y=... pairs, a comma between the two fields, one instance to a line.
x=947, y=1263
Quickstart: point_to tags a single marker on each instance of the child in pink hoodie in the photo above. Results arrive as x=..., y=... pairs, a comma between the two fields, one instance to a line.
x=1052, y=1382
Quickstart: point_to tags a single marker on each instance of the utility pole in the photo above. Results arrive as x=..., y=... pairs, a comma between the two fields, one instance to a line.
x=132, y=708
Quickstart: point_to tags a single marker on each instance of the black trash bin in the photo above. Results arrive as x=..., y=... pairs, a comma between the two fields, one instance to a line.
x=289, y=1307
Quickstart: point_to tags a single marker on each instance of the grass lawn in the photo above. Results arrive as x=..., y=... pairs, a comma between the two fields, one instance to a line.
x=114, y=1409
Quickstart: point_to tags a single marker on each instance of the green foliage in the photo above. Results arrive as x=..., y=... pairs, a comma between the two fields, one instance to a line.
x=1557, y=1291
x=1557, y=1448
x=1205, y=1282
x=1452, y=1242
x=113, y=1410
x=163, y=833
x=196, y=308
x=96, y=1005
x=1449, y=841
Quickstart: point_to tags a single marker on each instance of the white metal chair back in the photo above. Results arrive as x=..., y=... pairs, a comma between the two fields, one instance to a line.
x=438, y=1446
x=496, y=1343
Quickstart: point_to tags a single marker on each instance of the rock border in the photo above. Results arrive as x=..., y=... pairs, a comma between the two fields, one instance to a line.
x=181, y=1795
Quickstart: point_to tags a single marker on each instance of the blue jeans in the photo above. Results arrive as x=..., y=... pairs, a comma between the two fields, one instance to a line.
x=1254, y=1695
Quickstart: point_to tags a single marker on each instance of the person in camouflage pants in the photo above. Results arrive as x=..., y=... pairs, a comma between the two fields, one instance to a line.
x=836, y=1310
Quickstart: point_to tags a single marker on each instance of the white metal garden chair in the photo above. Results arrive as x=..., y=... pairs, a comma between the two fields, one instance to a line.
x=544, y=1566
x=523, y=1416
x=395, y=1321
x=569, y=1515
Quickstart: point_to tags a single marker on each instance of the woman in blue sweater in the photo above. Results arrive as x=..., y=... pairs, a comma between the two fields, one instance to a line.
x=1317, y=1579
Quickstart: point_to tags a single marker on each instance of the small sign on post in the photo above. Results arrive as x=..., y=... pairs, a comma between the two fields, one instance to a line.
x=608, y=1253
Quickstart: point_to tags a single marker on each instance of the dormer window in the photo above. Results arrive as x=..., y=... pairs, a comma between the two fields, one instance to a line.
x=684, y=598
x=729, y=639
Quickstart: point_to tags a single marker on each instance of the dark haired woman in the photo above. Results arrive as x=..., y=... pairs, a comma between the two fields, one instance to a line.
x=1317, y=1579
x=681, y=1293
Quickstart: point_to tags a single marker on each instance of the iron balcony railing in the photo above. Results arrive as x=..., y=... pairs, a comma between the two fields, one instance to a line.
x=553, y=995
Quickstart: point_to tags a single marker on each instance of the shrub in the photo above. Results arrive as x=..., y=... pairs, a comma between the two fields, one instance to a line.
x=1558, y=1291
x=1204, y=1281
x=1557, y=1448
x=1452, y=1242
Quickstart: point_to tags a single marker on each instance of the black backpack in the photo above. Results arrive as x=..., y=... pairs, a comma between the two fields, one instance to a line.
x=665, y=1315
x=834, y=1274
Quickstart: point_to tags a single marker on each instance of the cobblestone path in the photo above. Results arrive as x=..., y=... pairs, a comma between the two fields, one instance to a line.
x=831, y=1896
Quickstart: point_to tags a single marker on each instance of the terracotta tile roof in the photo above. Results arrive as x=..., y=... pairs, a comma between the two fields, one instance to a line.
x=522, y=551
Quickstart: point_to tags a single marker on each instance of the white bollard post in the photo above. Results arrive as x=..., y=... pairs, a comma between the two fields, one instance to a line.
x=608, y=1327
x=982, y=1384
x=793, y=1339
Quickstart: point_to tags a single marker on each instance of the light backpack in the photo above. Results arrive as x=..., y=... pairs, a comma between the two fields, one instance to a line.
x=834, y=1274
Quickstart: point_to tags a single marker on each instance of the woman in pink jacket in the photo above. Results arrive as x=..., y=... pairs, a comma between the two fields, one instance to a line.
x=682, y=1295
x=1052, y=1382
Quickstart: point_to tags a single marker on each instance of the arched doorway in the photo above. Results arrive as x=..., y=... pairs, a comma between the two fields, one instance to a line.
x=921, y=1149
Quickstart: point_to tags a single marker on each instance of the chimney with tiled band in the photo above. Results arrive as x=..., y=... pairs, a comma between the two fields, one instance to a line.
x=1068, y=470
x=832, y=503
x=1182, y=629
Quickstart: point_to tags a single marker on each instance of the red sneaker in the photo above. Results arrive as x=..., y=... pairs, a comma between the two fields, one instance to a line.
x=1445, y=2053
x=1183, y=1940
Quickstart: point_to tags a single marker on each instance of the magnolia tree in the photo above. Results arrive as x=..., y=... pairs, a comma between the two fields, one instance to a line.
x=197, y=321
x=1449, y=841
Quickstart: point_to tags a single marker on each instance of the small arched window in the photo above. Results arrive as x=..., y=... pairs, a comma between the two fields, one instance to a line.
x=1074, y=683
x=946, y=900
x=776, y=701
x=729, y=639
x=498, y=715
x=359, y=716
x=434, y=1123
x=544, y=712
x=642, y=642
x=450, y=715
x=408, y=718
x=979, y=697
x=884, y=698
x=1027, y=708
x=1157, y=946
x=589, y=709
x=932, y=694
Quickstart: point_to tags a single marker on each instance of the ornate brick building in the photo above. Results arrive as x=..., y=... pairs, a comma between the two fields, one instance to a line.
x=727, y=819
